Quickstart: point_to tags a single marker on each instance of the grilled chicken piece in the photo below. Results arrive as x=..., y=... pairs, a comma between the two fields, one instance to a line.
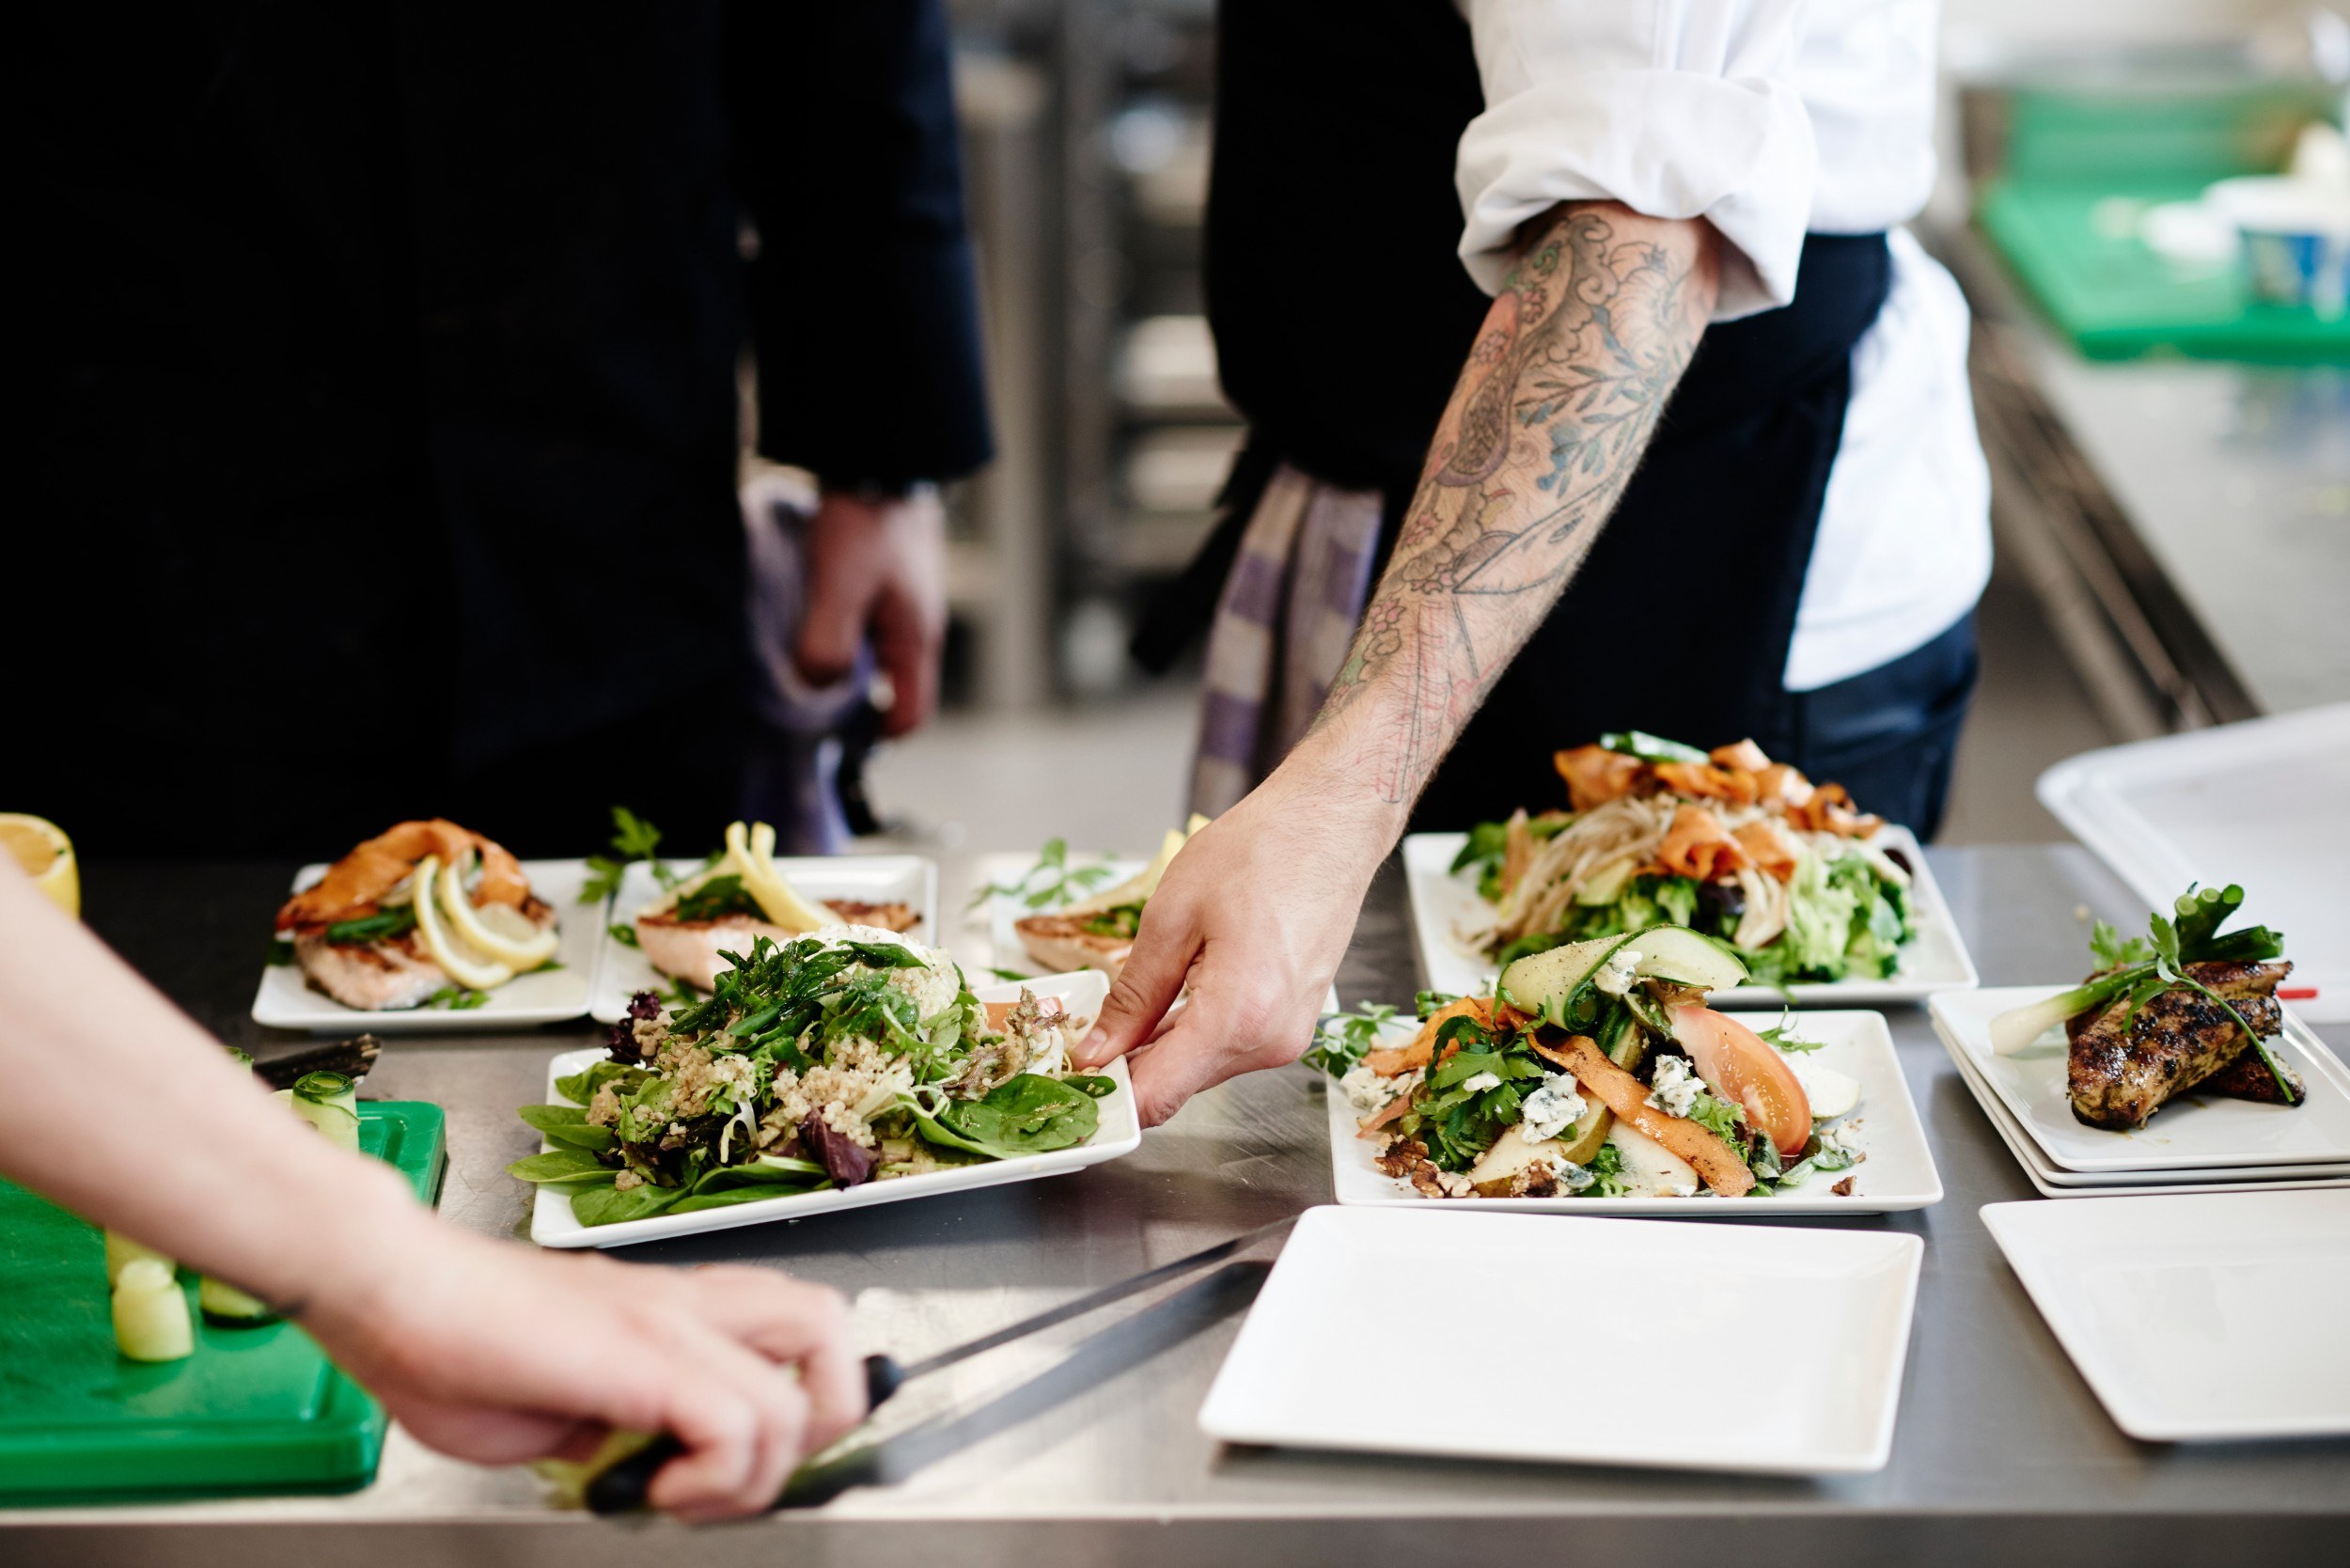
x=694, y=950
x=2119, y=1077
x=2247, y=1077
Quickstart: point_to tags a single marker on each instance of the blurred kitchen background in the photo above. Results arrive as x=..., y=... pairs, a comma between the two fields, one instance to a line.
x=2171, y=466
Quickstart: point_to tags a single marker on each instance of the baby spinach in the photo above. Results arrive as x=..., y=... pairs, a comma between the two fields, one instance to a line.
x=612, y=1205
x=580, y=1087
x=568, y=1125
x=560, y=1165
x=1027, y=1113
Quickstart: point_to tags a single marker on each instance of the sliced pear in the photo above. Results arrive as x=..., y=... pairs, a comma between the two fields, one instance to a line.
x=753, y=850
x=499, y=933
x=1650, y=1169
x=473, y=970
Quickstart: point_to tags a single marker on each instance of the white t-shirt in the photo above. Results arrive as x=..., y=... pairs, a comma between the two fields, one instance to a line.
x=1769, y=118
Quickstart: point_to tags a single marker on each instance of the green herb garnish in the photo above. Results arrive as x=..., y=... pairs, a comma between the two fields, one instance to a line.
x=632, y=839
x=1048, y=883
x=1342, y=1039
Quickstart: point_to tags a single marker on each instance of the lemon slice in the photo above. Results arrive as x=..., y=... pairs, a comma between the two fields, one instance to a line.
x=753, y=850
x=1139, y=888
x=497, y=930
x=473, y=971
x=46, y=853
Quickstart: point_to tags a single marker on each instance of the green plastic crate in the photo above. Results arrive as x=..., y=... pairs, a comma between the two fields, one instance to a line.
x=253, y=1410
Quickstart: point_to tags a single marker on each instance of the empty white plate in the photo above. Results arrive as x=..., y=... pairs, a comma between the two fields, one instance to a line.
x=284, y=999
x=1445, y=903
x=1898, y=1172
x=1331, y=1340
x=2051, y=1181
x=2193, y=1135
x=552, y=1224
x=909, y=879
x=2191, y=1317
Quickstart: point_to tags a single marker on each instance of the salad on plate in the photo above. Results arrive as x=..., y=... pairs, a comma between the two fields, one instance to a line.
x=1597, y=1071
x=846, y=1056
x=1726, y=843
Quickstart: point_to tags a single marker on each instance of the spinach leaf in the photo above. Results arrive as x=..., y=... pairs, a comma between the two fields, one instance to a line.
x=580, y=1087
x=613, y=1205
x=1027, y=1113
x=560, y=1165
x=1101, y=1086
x=567, y=1125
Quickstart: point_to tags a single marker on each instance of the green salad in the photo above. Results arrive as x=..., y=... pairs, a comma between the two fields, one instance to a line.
x=850, y=1056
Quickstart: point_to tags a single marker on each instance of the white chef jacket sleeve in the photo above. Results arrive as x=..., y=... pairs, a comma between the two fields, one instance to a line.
x=1676, y=108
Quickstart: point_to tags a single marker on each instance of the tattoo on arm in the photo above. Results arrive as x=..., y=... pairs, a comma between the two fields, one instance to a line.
x=1576, y=359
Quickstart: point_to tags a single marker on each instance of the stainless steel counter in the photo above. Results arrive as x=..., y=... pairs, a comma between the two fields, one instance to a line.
x=1049, y=1453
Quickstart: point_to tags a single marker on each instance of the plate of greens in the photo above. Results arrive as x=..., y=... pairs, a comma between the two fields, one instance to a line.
x=836, y=1071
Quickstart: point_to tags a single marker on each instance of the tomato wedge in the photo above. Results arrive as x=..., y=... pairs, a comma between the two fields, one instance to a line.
x=1740, y=1068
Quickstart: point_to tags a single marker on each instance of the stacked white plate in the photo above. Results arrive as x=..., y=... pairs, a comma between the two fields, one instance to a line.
x=2192, y=1145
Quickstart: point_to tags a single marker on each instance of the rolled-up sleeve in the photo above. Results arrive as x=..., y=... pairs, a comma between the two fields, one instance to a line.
x=1676, y=108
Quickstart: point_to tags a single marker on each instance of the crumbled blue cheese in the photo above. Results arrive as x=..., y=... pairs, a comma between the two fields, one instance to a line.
x=1367, y=1091
x=1573, y=1177
x=1674, y=1088
x=1616, y=976
x=1552, y=1109
x=1836, y=1138
x=1477, y=1083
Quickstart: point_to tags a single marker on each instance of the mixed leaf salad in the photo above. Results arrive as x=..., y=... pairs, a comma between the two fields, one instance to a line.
x=1595, y=1070
x=1729, y=843
x=847, y=1056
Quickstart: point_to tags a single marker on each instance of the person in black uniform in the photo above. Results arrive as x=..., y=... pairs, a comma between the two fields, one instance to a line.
x=384, y=387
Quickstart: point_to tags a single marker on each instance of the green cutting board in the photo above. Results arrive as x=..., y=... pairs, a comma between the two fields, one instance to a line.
x=2116, y=299
x=253, y=1410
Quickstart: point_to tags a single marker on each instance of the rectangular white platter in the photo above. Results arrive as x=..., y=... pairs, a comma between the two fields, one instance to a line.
x=1934, y=959
x=1004, y=911
x=1899, y=1172
x=552, y=1224
x=284, y=999
x=2052, y=1182
x=2180, y=1312
x=909, y=879
x=1315, y=1363
x=2191, y=1136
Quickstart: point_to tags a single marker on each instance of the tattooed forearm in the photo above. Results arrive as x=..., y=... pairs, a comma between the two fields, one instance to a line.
x=1582, y=348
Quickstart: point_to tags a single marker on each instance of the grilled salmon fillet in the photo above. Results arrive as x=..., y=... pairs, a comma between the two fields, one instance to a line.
x=695, y=951
x=1062, y=943
x=2119, y=1077
x=385, y=977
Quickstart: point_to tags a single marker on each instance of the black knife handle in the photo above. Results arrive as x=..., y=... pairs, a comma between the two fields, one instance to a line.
x=621, y=1487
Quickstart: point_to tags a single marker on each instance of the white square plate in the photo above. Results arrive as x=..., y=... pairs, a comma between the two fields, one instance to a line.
x=2181, y=1313
x=552, y=1224
x=1004, y=911
x=866, y=878
x=1444, y=900
x=2195, y=1135
x=1897, y=1174
x=2051, y=1181
x=284, y=999
x=1317, y=1363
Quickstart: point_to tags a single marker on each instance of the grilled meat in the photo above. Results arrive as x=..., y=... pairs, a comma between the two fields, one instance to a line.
x=2247, y=1077
x=2119, y=1077
x=373, y=976
x=695, y=951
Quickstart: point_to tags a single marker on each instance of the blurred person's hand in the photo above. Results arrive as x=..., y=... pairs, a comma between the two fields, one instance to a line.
x=499, y=1353
x=877, y=570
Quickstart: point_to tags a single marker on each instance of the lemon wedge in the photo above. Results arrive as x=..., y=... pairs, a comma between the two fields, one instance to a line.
x=752, y=850
x=1139, y=888
x=497, y=930
x=476, y=972
x=46, y=853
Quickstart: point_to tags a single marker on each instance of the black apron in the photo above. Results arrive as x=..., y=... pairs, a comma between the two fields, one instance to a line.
x=1343, y=316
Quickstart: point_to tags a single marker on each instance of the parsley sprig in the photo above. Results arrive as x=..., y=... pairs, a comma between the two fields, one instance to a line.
x=1342, y=1039
x=1050, y=883
x=632, y=839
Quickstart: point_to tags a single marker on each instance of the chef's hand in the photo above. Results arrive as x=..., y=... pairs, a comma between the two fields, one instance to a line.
x=497, y=1354
x=1255, y=913
x=877, y=570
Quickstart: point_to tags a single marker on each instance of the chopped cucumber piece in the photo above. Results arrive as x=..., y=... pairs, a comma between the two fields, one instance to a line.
x=1686, y=957
x=226, y=1307
x=330, y=1103
x=121, y=1251
x=151, y=1313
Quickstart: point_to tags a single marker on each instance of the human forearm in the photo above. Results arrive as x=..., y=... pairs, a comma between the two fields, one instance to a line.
x=1576, y=361
x=121, y=1110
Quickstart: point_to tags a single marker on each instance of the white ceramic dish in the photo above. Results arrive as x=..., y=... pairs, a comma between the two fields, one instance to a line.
x=866, y=878
x=2194, y=1135
x=1316, y=1364
x=2051, y=1181
x=284, y=999
x=1899, y=1172
x=2181, y=1313
x=552, y=1224
x=1004, y=911
x=2253, y=803
x=1443, y=902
